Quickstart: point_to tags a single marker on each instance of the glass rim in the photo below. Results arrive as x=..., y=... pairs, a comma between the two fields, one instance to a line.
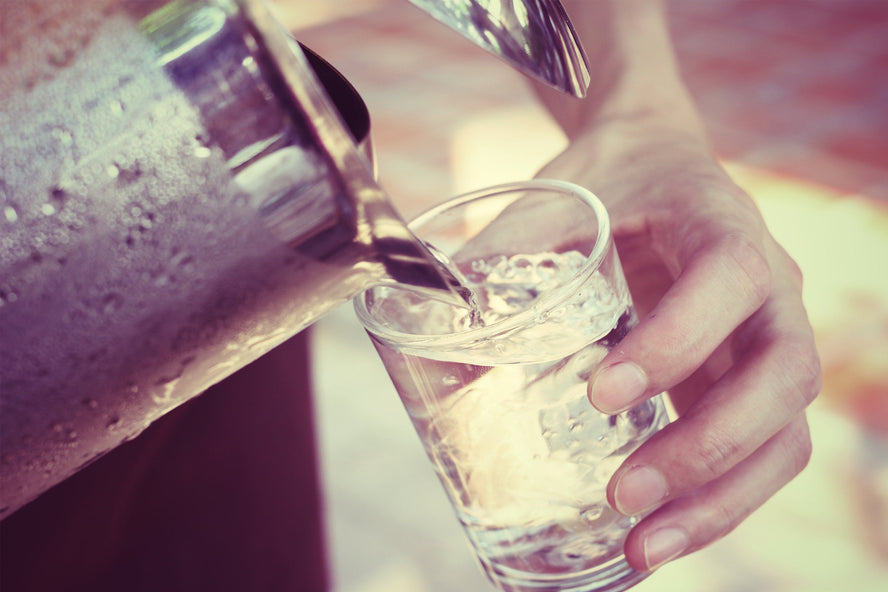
x=544, y=303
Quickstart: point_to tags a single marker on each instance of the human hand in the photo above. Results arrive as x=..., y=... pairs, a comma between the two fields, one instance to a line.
x=722, y=328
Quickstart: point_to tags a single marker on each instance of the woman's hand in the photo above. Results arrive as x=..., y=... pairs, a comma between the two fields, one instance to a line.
x=722, y=329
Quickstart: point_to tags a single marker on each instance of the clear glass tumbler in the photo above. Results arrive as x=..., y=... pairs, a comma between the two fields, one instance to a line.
x=497, y=390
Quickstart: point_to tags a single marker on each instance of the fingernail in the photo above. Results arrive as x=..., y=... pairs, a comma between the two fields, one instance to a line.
x=664, y=545
x=638, y=490
x=616, y=387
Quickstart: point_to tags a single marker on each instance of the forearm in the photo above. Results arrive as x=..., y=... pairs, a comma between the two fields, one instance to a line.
x=633, y=68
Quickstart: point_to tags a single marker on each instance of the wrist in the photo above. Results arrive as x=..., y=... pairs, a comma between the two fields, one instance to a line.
x=635, y=75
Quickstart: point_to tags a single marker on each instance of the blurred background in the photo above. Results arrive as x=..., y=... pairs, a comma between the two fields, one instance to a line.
x=795, y=93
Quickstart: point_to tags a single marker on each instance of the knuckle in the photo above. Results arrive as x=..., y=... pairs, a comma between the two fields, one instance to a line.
x=752, y=261
x=800, y=365
x=714, y=455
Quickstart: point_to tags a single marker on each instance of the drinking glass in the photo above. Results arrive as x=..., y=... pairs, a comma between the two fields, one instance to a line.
x=496, y=390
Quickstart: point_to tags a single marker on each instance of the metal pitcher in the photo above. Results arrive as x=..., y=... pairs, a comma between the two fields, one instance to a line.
x=182, y=188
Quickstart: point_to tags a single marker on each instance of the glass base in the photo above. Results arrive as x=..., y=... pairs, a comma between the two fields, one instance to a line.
x=613, y=576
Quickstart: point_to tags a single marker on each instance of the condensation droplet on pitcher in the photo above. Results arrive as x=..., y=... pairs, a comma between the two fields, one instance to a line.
x=117, y=107
x=183, y=261
x=63, y=136
x=111, y=302
x=11, y=214
x=146, y=222
x=7, y=297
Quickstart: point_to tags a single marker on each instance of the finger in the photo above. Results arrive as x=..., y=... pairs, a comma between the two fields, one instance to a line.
x=694, y=521
x=720, y=288
x=775, y=380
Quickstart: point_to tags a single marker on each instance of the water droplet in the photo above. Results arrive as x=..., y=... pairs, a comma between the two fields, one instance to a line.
x=48, y=209
x=71, y=435
x=182, y=260
x=117, y=107
x=11, y=214
x=90, y=403
x=146, y=222
x=57, y=199
x=202, y=152
x=113, y=422
x=112, y=170
x=63, y=136
x=111, y=302
x=168, y=387
x=56, y=427
x=61, y=56
x=575, y=426
x=7, y=296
